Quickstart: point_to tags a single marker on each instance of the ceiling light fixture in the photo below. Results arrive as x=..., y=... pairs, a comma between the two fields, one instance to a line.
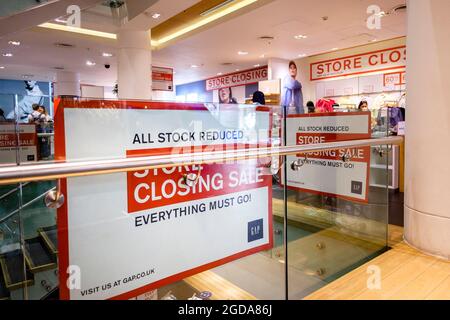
x=14, y=43
x=156, y=15
x=262, y=56
x=107, y=55
x=8, y=54
x=334, y=49
x=2, y=67
x=242, y=53
x=60, y=20
x=194, y=66
x=215, y=8
x=27, y=76
x=87, y=32
x=90, y=63
x=300, y=36
x=238, y=69
x=211, y=17
x=301, y=55
x=220, y=73
x=257, y=65
x=373, y=40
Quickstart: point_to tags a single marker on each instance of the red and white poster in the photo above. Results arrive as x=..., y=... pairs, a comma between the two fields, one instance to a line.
x=8, y=143
x=326, y=172
x=162, y=79
x=129, y=233
x=375, y=61
x=235, y=79
x=394, y=79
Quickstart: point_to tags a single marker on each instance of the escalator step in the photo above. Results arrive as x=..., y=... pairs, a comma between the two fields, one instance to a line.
x=50, y=237
x=37, y=255
x=4, y=292
x=12, y=264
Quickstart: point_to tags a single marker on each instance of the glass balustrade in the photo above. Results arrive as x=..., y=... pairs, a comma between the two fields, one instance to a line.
x=200, y=210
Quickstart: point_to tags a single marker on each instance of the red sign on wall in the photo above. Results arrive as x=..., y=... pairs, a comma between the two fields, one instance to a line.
x=237, y=79
x=381, y=60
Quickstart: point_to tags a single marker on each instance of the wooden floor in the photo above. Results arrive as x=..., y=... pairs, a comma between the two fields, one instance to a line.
x=406, y=274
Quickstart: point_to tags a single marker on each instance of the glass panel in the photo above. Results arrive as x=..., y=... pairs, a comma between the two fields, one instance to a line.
x=336, y=211
x=212, y=239
x=13, y=279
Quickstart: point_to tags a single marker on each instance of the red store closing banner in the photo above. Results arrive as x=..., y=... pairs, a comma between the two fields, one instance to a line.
x=375, y=61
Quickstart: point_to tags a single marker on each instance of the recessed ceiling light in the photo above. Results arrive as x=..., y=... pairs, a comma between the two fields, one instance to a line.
x=14, y=43
x=334, y=49
x=257, y=65
x=300, y=36
x=238, y=69
x=7, y=54
x=27, y=76
x=262, y=56
x=156, y=15
x=107, y=55
x=60, y=20
x=90, y=63
x=2, y=67
x=373, y=40
x=301, y=55
x=242, y=53
x=220, y=73
x=194, y=66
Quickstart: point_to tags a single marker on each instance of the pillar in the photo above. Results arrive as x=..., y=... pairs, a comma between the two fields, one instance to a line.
x=134, y=64
x=67, y=84
x=427, y=171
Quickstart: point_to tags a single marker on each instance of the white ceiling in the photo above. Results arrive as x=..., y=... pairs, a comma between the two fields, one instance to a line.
x=282, y=19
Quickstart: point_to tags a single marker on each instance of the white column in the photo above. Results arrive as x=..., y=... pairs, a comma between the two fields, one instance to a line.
x=427, y=175
x=134, y=64
x=67, y=84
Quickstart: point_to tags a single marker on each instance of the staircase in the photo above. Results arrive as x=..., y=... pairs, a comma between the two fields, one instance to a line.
x=28, y=272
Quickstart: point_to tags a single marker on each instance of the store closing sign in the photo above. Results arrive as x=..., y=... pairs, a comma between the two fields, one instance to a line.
x=237, y=79
x=381, y=60
x=326, y=172
x=130, y=233
x=8, y=143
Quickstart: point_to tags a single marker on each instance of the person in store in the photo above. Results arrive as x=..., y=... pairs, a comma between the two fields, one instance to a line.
x=311, y=107
x=37, y=116
x=363, y=106
x=259, y=98
x=292, y=95
x=226, y=96
x=325, y=105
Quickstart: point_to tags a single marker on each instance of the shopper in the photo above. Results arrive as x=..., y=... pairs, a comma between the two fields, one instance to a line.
x=226, y=96
x=36, y=116
x=259, y=98
x=292, y=96
x=311, y=107
x=363, y=106
x=325, y=105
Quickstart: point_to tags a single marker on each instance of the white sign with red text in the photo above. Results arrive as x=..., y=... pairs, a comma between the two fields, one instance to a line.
x=381, y=60
x=130, y=233
x=8, y=143
x=237, y=79
x=326, y=172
